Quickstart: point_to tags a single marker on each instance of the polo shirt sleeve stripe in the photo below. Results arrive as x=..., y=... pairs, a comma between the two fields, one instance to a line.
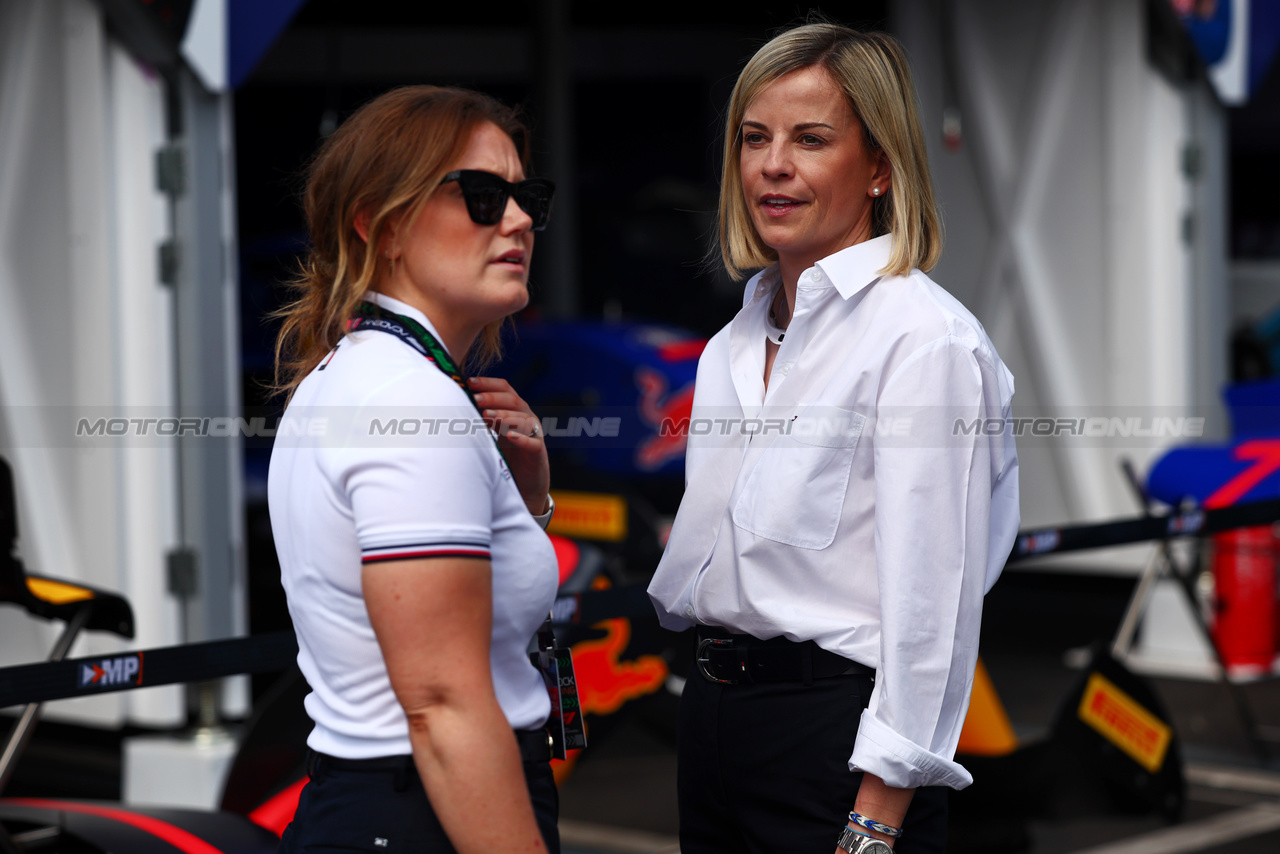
x=410, y=551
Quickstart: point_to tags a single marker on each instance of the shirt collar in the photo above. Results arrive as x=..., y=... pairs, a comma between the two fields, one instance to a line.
x=761, y=284
x=394, y=305
x=853, y=268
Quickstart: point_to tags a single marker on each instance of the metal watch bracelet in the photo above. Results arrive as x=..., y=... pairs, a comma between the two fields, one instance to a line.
x=857, y=842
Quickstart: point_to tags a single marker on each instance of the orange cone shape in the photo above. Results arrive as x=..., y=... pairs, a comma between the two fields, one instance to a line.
x=987, y=731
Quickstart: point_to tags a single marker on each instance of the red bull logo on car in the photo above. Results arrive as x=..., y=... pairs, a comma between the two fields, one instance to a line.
x=657, y=408
x=605, y=679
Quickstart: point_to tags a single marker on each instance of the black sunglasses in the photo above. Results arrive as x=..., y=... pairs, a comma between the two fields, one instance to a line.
x=486, y=196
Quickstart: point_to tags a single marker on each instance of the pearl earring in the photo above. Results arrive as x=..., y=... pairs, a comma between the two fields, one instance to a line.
x=875, y=191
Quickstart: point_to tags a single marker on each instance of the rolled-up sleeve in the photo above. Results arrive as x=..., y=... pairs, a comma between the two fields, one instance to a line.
x=936, y=485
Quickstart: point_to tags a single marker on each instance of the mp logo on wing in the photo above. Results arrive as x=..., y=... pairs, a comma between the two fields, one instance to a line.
x=111, y=672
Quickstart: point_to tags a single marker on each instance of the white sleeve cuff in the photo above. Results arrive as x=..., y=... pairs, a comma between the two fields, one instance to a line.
x=545, y=519
x=900, y=763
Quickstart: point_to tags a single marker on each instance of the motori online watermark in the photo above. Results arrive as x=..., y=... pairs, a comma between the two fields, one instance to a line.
x=942, y=426
x=1091, y=427
x=1098, y=426
x=575, y=427
x=319, y=426
x=214, y=426
x=816, y=427
x=656, y=438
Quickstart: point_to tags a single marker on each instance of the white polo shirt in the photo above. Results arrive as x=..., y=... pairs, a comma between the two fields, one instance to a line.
x=381, y=456
x=862, y=502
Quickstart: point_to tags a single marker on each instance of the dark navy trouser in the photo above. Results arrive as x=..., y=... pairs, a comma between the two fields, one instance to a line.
x=764, y=769
x=387, y=811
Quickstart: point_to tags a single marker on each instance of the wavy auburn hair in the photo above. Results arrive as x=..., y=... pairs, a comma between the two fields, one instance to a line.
x=384, y=162
x=872, y=71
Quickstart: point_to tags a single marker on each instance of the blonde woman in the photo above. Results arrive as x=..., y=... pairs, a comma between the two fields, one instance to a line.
x=837, y=534
x=416, y=570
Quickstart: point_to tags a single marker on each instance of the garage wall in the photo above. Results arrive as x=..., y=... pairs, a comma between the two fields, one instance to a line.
x=1085, y=215
x=88, y=330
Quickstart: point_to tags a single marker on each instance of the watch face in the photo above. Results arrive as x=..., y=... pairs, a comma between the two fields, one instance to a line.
x=875, y=846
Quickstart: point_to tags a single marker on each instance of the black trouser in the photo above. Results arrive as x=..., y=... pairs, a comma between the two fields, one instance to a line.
x=380, y=810
x=765, y=768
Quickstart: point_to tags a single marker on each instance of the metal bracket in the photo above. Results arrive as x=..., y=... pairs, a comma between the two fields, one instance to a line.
x=167, y=262
x=181, y=567
x=171, y=171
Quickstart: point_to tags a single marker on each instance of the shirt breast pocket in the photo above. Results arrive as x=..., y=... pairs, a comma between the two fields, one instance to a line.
x=795, y=493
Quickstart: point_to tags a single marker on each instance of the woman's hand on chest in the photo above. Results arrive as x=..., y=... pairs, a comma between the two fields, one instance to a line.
x=520, y=437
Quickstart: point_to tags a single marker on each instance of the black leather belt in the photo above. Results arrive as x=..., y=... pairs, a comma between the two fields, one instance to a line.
x=730, y=659
x=535, y=746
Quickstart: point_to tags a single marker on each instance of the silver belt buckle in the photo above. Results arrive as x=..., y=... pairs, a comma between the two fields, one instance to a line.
x=703, y=645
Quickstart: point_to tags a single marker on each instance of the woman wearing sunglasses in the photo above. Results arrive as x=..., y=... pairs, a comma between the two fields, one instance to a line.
x=845, y=517
x=410, y=537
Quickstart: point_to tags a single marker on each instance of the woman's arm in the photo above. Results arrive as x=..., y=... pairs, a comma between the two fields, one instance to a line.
x=433, y=620
x=883, y=803
x=933, y=537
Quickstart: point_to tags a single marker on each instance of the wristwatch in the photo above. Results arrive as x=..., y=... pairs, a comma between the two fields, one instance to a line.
x=859, y=843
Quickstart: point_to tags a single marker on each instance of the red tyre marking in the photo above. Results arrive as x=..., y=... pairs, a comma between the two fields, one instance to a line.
x=276, y=813
x=567, y=555
x=177, y=837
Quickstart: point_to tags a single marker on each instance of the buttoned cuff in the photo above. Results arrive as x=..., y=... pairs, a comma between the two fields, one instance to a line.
x=900, y=763
x=545, y=519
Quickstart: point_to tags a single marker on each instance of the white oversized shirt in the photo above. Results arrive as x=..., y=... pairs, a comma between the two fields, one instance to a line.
x=348, y=489
x=866, y=502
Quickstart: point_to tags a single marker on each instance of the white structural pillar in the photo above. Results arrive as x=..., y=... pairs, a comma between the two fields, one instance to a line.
x=207, y=294
x=143, y=312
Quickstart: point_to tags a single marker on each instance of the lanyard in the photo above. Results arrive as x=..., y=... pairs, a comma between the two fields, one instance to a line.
x=417, y=336
x=413, y=333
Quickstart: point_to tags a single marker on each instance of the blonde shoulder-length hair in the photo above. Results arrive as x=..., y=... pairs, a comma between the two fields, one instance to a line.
x=871, y=69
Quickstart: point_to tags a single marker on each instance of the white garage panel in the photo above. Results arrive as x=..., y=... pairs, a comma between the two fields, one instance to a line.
x=1085, y=219
x=88, y=329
